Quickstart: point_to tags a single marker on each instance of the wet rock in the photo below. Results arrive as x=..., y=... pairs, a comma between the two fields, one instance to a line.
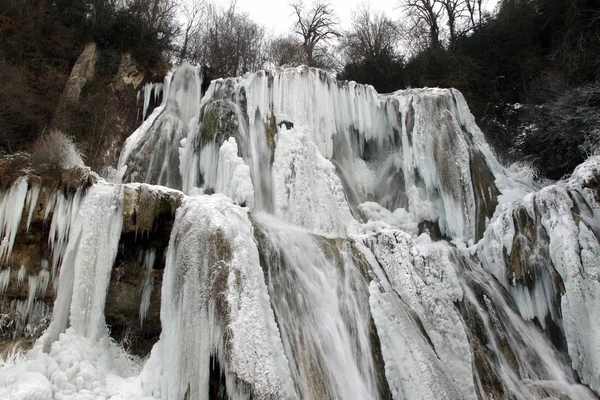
x=219, y=122
x=485, y=191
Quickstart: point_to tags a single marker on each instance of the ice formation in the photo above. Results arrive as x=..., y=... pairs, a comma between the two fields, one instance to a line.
x=215, y=305
x=332, y=243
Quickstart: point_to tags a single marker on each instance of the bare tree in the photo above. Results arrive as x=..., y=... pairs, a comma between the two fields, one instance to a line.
x=474, y=12
x=230, y=43
x=454, y=13
x=316, y=26
x=285, y=50
x=371, y=36
x=426, y=15
x=370, y=50
x=193, y=12
x=158, y=19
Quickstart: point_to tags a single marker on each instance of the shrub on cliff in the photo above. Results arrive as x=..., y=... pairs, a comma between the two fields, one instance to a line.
x=55, y=151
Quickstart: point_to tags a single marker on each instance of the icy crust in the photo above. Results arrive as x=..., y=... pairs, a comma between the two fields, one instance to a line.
x=565, y=228
x=572, y=249
x=381, y=145
x=586, y=178
x=215, y=304
x=586, y=172
x=307, y=191
x=440, y=156
x=412, y=368
x=424, y=277
x=233, y=175
x=314, y=99
x=151, y=153
x=75, y=368
x=379, y=218
x=12, y=204
x=320, y=300
x=81, y=362
x=87, y=264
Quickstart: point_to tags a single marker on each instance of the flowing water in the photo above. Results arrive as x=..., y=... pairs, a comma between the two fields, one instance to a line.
x=331, y=243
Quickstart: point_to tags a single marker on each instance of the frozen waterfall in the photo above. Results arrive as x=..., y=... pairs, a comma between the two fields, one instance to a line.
x=308, y=239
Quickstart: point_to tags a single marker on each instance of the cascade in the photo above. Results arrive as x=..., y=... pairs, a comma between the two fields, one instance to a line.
x=297, y=237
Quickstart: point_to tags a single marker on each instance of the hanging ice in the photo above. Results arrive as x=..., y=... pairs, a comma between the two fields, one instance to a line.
x=331, y=243
x=215, y=309
x=87, y=264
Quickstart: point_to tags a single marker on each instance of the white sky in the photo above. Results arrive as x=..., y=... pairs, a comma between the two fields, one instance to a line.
x=277, y=14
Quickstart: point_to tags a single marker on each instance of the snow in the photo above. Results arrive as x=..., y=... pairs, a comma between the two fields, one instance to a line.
x=233, y=176
x=205, y=292
x=412, y=368
x=308, y=193
x=310, y=246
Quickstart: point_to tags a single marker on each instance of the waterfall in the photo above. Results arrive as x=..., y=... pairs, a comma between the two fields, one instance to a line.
x=308, y=239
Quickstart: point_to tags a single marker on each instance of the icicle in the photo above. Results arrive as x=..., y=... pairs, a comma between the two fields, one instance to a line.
x=147, y=96
x=219, y=285
x=148, y=284
x=32, y=197
x=92, y=247
x=4, y=280
x=50, y=204
x=31, y=295
x=11, y=208
x=21, y=275
x=65, y=210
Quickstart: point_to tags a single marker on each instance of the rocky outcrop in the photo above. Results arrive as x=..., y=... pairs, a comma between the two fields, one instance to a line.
x=82, y=73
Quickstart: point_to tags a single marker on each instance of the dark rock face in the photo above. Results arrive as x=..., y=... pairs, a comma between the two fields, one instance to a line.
x=485, y=191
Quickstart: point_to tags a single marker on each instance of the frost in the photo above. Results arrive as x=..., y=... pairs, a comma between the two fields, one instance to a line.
x=11, y=208
x=87, y=264
x=207, y=292
x=307, y=191
x=233, y=176
x=295, y=268
x=424, y=277
x=412, y=368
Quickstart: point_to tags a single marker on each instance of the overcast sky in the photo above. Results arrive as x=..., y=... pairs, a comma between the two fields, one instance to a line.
x=277, y=14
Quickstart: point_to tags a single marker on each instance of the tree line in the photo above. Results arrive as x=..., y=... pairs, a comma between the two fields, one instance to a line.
x=534, y=52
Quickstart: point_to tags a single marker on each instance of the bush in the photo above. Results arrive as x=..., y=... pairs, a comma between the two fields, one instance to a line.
x=567, y=131
x=55, y=151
